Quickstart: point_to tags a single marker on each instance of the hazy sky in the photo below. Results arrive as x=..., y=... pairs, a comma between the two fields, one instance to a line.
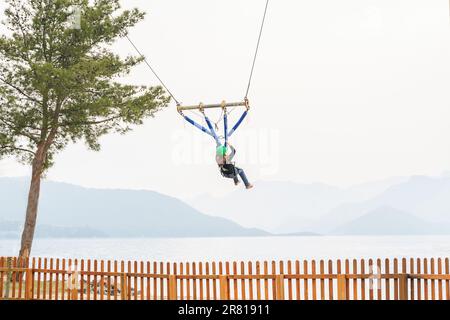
x=344, y=92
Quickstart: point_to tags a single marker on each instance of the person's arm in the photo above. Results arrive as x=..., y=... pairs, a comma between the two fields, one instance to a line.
x=233, y=152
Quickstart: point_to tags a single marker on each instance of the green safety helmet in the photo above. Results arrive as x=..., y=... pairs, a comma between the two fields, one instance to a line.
x=221, y=151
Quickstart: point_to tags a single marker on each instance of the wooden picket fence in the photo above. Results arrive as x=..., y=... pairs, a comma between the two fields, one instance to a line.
x=67, y=279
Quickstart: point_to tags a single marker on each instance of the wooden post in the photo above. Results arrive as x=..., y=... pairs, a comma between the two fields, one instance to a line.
x=29, y=284
x=173, y=287
x=224, y=288
x=279, y=284
x=8, y=277
x=74, y=294
x=342, y=287
x=73, y=285
x=124, y=286
x=403, y=286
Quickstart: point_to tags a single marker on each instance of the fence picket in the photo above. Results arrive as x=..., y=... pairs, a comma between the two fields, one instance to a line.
x=250, y=281
x=355, y=281
x=243, y=291
x=39, y=265
x=82, y=280
x=387, y=280
x=266, y=281
x=208, y=284
x=44, y=294
x=439, y=261
x=297, y=281
x=363, y=281
x=371, y=281
x=347, y=281
x=108, y=281
x=447, y=282
x=214, y=272
x=396, y=283
x=330, y=281
x=182, y=280
x=194, y=285
x=258, y=281
x=306, y=281
x=2, y=265
x=89, y=283
x=425, y=282
x=314, y=281
x=412, y=281
x=321, y=280
x=188, y=283
x=115, y=280
x=21, y=264
x=289, y=272
x=200, y=280
x=274, y=286
x=161, y=281
x=155, y=282
x=235, y=282
x=433, y=282
x=379, y=282
x=14, y=279
x=102, y=280
x=419, y=281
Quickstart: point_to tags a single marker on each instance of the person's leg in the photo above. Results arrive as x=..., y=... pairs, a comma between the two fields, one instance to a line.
x=235, y=177
x=244, y=177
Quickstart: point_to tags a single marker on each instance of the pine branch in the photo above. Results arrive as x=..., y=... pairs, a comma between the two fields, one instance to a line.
x=20, y=91
x=87, y=123
x=26, y=135
x=13, y=148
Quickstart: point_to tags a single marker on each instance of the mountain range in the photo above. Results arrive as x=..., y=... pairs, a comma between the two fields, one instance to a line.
x=287, y=207
x=415, y=205
x=113, y=213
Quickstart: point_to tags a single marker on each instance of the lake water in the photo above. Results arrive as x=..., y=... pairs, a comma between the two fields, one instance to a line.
x=258, y=248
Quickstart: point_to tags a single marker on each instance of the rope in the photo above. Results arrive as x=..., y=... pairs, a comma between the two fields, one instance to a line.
x=251, y=72
x=257, y=49
x=195, y=114
x=152, y=70
x=216, y=124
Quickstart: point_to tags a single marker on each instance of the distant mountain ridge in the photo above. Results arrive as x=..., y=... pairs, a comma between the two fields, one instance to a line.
x=286, y=207
x=13, y=230
x=405, y=205
x=427, y=198
x=388, y=221
x=115, y=213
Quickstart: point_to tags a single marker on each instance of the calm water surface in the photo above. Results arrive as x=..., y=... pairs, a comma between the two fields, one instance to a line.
x=214, y=249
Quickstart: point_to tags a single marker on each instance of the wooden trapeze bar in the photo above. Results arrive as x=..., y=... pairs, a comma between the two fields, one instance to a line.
x=223, y=105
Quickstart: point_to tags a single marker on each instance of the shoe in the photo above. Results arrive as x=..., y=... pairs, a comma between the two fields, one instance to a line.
x=237, y=183
x=249, y=186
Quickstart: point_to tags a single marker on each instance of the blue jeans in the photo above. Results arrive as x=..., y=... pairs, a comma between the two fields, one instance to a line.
x=241, y=173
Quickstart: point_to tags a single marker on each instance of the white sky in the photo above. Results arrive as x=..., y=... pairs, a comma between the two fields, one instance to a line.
x=344, y=92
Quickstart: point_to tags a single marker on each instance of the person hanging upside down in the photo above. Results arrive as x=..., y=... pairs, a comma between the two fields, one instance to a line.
x=227, y=167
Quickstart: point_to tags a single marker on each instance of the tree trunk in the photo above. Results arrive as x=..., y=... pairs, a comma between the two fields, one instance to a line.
x=33, y=202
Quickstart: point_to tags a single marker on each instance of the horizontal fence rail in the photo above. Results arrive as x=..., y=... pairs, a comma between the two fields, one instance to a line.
x=364, y=279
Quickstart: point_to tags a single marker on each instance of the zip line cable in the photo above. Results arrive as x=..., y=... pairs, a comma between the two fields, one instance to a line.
x=251, y=72
x=257, y=49
x=152, y=70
